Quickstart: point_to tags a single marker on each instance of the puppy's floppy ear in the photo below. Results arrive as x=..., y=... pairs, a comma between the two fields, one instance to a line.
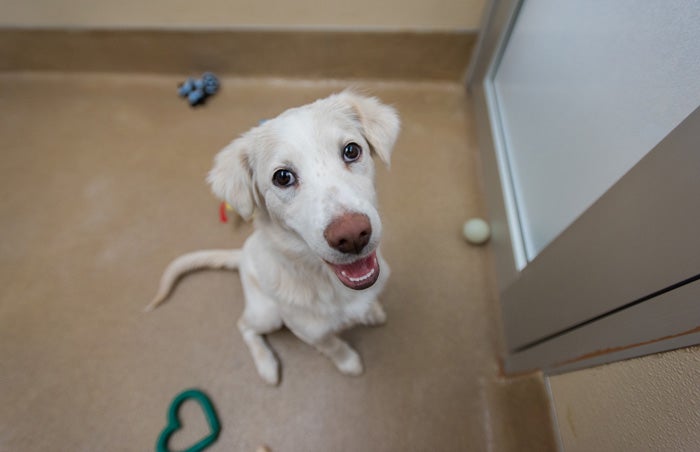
x=231, y=178
x=380, y=122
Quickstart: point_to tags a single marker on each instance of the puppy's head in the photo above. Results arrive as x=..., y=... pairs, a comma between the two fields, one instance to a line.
x=310, y=175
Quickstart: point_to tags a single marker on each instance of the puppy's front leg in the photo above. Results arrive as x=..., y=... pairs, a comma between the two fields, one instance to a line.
x=265, y=361
x=345, y=358
x=259, y=317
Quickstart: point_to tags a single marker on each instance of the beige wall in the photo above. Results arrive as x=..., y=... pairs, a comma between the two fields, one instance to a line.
x=651, y=403
x=389, y=14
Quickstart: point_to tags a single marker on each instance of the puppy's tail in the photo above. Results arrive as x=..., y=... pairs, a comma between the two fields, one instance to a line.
x=198, y=260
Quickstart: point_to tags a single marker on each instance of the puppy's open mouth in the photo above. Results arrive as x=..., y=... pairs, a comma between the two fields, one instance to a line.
x=361, y=274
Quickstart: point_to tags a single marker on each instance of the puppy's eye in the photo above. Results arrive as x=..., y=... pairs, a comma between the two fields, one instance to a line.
x=284, y=178
x=351, y=152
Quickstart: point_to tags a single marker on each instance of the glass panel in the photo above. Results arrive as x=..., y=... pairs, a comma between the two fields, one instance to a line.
x=584, y=90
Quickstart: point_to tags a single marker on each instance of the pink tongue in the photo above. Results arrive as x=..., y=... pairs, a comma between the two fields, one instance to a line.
x=360, y=274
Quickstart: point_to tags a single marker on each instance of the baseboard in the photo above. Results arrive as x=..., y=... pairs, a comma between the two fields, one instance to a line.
x=402, y=55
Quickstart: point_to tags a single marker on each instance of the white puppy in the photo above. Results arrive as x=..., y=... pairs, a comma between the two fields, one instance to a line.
x=313, y=262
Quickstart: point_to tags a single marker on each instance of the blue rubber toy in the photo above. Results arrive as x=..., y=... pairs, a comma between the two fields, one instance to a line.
x=198, y=90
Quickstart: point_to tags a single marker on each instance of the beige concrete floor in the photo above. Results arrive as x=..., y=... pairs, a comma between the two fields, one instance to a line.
x=102, y=183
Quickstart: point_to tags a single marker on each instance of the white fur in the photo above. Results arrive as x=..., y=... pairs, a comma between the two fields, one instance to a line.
x=282, y=269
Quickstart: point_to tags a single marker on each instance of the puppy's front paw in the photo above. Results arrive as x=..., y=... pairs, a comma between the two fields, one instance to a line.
x=350, y=364
x=375, y=316
x=268, y=368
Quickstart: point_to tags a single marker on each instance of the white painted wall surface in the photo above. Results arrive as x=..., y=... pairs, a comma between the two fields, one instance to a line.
x=586, y=89
x=645, y=404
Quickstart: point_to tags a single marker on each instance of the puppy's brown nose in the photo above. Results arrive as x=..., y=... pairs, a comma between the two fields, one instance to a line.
x=349, y=233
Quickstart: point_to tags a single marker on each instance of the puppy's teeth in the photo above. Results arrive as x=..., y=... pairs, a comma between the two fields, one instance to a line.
x=361, y=278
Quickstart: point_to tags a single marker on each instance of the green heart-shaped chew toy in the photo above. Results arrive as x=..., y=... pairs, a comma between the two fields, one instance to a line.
x=174, y=422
